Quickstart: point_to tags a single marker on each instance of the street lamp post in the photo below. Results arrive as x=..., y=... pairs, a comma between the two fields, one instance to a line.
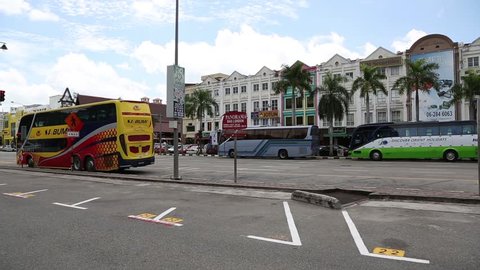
x=478, y=140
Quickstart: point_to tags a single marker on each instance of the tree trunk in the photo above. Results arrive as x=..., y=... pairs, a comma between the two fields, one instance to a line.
x=200, y=146
x=294, y=105
x=417, y=106
x=409, y=107
x=330, y=134
x=367, y=107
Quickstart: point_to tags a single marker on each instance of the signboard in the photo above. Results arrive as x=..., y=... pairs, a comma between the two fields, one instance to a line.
x=175, y=91
x=434, y=104
x=234, y=121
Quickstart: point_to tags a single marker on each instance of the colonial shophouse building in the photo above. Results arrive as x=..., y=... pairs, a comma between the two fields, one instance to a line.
x=254, y=94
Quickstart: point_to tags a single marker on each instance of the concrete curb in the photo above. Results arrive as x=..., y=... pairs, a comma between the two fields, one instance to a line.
x=317, y=199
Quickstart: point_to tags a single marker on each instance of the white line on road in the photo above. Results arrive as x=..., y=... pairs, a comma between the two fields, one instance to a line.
x=76, y=204
x=293, y=231
x=22, y=195
x=3, y=184
x=363, y=249
x=157, y=218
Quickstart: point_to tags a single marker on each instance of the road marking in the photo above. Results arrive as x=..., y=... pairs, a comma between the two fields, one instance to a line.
x=293, y=231
x=3, y=184
x=76, y=204
x=24, y=194
x=389, y=251
x=363, y=249
x=172, y=221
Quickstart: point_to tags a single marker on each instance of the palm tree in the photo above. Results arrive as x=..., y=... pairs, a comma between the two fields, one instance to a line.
x=421, y=75
x=296, y=78
x=468, y=90
x=196, y=104
x=369, y=83
x=333, y=102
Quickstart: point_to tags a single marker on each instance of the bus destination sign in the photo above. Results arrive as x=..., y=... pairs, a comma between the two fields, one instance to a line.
x=234, y=121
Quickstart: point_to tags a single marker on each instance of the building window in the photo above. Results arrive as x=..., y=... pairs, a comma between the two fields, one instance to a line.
x=337, y=123
x=215, y=92
x=288, y=104
x=256, y=122
x=395, y=94
x=256, y=106
x=365, y=117
x=265, y=105
x=381, y=117
x=255, y=87
x=394, y=71
x=264, y=86
x=235, y=107
x=244, y=107
x=325, y=123
x=227, y=91
x=265, y=122
x=396, y=116
x=227, y=108
x=310, y=120
x=350, y=120
x=310, y=101
x=274, y=84
x=288, y=121
x=299, y=121
x=190, y=128
x=217, y=113
x=381, y=70
x=299, y=103
x=209, y=126
x=235, y=90
x=472, y=61
x=243, y=88
x=349, y=75
x=274, y=103
x=217, y=125
x=381, y=98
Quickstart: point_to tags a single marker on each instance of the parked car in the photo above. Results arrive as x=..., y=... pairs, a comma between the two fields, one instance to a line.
x=338, y=150
x=192, y=149
x=161, y=148
x=8, y=148
x=181, y=149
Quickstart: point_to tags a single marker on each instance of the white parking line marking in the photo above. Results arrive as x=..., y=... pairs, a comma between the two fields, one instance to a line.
x=24, y=194
x=3, y=184
x=293, y=231
x=76, y=204
x=157, y=218
x=363, y=249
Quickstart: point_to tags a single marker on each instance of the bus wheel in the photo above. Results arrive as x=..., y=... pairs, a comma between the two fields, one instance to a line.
x=76, y=163
x=450, y=155
x=231, y=153
x=283, y=154
x=89, y=164
x=30, y=162
x=376, y=155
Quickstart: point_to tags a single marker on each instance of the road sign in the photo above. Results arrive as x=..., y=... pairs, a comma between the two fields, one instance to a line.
x=234, y=121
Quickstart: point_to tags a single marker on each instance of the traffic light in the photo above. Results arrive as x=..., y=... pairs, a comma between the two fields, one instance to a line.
x=2, y=95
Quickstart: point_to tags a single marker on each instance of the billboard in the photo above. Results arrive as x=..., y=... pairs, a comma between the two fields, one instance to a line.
x=434, y=104
x=175, y=92
x=234, y=121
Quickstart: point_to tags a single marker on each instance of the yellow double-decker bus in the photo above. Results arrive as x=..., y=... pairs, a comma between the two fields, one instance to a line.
x=104, y=136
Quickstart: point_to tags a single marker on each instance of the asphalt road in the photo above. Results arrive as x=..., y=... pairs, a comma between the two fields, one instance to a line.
x=218, y=228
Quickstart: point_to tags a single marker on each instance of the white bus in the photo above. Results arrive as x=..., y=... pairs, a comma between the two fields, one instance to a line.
x=450, y=140
x=282, y=142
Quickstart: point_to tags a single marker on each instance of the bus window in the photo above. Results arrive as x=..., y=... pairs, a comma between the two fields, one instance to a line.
x=468, y=129
x=450, y=130
x=428, y=131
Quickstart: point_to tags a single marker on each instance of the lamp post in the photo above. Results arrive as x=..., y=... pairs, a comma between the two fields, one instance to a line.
x=478, y=141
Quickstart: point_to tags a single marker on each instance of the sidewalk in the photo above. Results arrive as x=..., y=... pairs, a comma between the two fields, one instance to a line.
x=380, y=193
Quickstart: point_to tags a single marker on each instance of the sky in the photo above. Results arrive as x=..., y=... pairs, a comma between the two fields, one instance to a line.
x=121, y=49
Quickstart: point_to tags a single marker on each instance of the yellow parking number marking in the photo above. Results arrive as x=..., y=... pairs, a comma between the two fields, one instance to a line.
x=389, y=251
x=147, y=215
x=173, y=219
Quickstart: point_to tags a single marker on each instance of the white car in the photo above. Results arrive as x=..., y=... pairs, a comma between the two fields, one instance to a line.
x=192, y=149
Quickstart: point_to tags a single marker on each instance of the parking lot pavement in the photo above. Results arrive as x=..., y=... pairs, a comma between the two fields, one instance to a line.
x=219, y=228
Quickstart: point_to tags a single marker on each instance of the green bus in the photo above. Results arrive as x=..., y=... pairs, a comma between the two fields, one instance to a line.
x=450, y=140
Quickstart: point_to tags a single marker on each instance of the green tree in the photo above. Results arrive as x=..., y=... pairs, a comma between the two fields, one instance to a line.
x=370, y=83
x=333, y=102
x=421, y=75
x=298, y=80
x=468, y=90
x=197, y=104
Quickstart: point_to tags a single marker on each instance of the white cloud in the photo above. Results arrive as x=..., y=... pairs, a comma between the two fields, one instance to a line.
x=157, y=10
x=14, y=7
x=124, y=66
x=407, y=41
x=246, y=51
x=90, y=37
x=39, y=15
x=18, y=90
x=87, y=77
